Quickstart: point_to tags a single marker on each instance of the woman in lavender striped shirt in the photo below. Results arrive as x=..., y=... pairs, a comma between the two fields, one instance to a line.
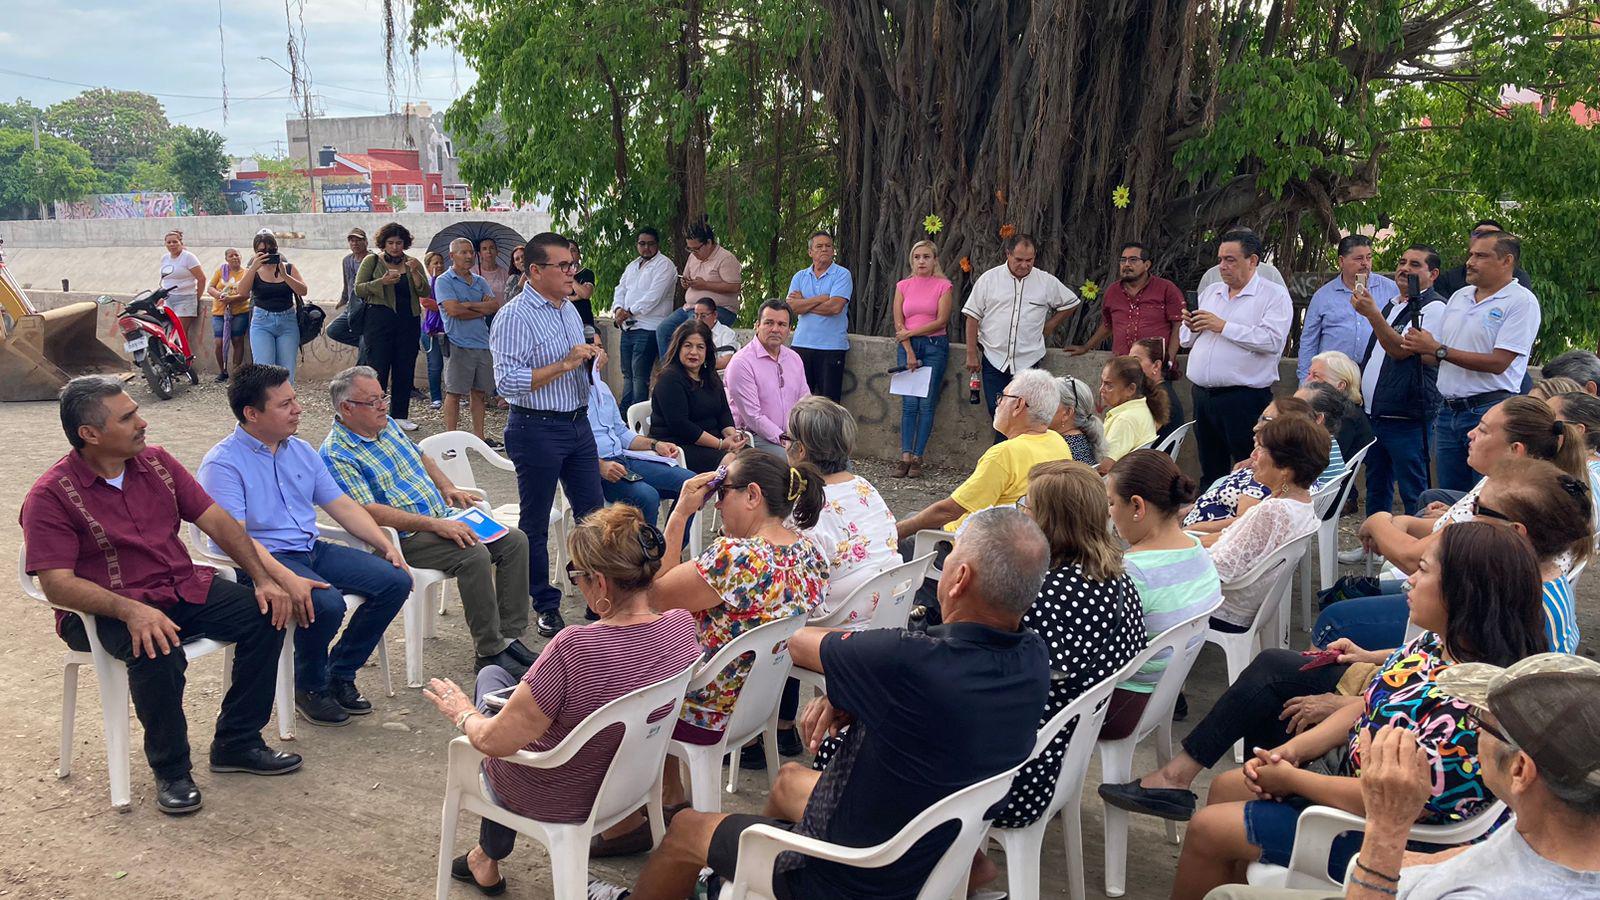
x=615, y=555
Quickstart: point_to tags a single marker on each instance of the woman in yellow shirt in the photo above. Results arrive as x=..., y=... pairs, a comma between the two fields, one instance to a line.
x=230, y=313
x=1135, y=407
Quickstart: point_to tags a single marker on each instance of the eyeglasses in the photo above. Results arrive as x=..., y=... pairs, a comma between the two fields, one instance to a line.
x=1264, y=419
x=1005, y=396
x=643, y=243
x=1131, y=259
x=1475, y=719
x=1022, y=503
x=565, y=267
x=574, y=573
x=722, y=491
x=1479, y=511
x=382, y=401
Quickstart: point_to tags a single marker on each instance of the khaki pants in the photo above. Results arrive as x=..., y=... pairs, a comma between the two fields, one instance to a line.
x=492, y=579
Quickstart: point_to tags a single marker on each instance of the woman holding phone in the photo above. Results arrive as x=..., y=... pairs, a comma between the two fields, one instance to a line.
x=394, y=286
x=273, y=286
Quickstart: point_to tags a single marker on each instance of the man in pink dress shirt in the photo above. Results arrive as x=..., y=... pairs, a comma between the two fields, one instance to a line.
x=766, y=379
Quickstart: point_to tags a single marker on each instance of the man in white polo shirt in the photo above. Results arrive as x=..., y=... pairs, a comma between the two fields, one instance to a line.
x=641, y=302
x=1236, y=339
x=1482, y=347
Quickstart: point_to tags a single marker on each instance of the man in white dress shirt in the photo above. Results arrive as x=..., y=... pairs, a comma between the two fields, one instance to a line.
x=1011, y=312
x=642, y=301
x=1236, y=340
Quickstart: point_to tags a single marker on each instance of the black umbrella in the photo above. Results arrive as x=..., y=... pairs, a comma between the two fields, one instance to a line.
x=505, y=239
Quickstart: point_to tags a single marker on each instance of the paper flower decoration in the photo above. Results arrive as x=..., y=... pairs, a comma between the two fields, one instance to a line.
x=1007, y=231
x=933, y=224
x=1120, y=196
x=1089, y=290
x=966, y=264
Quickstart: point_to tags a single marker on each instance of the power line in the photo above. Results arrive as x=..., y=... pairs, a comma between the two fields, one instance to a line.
x=4, y=71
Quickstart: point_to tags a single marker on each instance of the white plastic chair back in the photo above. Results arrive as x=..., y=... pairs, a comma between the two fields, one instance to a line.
x=927, y=541
x=769, y=669
x=1328, y=502
x=449, y=452
x=638, y=417
x=648, y=715
x=1276, y=569
x=1172, y=444
x=882, y=601
x=760, y=845
x=1320, y=826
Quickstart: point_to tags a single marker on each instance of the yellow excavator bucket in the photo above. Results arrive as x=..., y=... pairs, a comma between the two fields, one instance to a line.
x=44, y=350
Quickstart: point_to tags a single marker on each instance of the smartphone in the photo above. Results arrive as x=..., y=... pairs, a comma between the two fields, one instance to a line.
x=1361, y=281
x=1191, y=302
x=274, y=259
x=1316, y=659
x=717, y=479
x=631, y=475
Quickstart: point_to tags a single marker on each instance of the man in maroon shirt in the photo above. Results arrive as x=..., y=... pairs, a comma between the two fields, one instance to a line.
x=1138, y=306
x=101, y=533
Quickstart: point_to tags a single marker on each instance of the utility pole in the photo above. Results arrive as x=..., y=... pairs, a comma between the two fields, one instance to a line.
x=38, y=162
x=302, y=89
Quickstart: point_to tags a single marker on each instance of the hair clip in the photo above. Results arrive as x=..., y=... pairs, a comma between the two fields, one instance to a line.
x=797, y=484
x=1575, y=488
x=652, y=542
x=1558, y=428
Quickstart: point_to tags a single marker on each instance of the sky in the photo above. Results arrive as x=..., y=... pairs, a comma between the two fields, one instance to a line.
x=173, y=50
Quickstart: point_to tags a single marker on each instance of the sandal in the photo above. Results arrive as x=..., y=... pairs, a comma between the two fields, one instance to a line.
x=460, y=871
x=914, y=470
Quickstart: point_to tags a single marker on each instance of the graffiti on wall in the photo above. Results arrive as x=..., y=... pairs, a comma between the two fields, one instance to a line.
x=243, y=196
x=134, y=205
x=346, y=193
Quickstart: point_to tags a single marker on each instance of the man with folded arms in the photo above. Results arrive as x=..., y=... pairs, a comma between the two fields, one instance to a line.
x=1539, y=745
x=403, y=488
x=101, y=534
x=928, y=713
x=272, y=482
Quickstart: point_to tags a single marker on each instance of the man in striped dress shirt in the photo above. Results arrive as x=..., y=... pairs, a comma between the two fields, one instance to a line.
x=540, y=366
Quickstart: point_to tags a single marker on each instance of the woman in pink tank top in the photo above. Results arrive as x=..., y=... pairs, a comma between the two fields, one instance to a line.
x=922, y=305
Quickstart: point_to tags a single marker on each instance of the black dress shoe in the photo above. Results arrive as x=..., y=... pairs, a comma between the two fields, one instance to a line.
x=789, y=742
x=349, y=699
x=177, y=797
x=551, y=622
x=258, y=760
x=460, y=871
x=505, y=661
x=519, y=651
x=1163, y=803
x=753, y=757
x=319, y=708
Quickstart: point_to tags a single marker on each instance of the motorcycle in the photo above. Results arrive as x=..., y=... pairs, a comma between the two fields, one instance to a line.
x=154, y=336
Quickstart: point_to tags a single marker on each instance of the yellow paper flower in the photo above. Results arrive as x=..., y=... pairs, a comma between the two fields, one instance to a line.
x=933, y=224
x=1120, y=197
x=1089, y=290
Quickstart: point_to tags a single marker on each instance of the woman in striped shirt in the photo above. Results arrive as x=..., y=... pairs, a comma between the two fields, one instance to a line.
x=1172, y=571
x=615, y=555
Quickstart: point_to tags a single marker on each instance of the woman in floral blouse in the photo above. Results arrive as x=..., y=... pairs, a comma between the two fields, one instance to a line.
x=855, y=529
x=1477, y=595
x=759, y=571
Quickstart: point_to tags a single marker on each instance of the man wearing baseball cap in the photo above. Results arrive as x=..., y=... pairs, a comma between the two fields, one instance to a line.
x=1538, y=724
x=339, y=329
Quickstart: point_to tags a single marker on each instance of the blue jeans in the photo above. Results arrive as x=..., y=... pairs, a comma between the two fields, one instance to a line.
x=547, y=451
x=661, y=482
x=1374, y=623
x=639, y=353
x=1399, y=456
x=349, y=571
x=994, y=384
x=916, y=413
x=682, y=315
x=1450, y=446
x=275, y=338
x=434, y=344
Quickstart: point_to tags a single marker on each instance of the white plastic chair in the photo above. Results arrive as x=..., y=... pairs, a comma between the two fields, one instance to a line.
x=633, y=779
x=884, y=601
x=1172, y=444
x=638, y=416
x=1181, y=645
x=1271, y=625
x=927, y=541
x=1319, y=826
x=755, y=710
x=1328, y=502
x=759, y=845
x=1024, y=846
x=114, y=695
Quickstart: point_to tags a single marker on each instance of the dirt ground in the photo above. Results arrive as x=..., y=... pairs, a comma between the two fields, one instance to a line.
x=361, y=819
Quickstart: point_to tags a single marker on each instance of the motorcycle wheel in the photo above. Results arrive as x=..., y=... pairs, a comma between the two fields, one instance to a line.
x=158, y=376
x=193, y=373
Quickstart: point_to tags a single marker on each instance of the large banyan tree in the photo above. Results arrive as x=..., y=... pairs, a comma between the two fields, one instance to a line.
x=1083, y=122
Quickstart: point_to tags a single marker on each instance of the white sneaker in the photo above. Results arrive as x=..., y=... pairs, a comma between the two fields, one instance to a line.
x=435, y=404
x=406, y=424
x=603, y=890
x=1352, y=557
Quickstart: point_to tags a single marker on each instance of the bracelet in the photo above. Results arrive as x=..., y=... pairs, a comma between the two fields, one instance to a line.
x=1371, y=871
x=461, y=720
x=1374, y=887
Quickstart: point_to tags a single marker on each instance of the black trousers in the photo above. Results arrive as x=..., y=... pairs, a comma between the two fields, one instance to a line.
x=1224, y=426
x=1250, y=707
x=824, y=371
x=390, y=345
x=229, y=614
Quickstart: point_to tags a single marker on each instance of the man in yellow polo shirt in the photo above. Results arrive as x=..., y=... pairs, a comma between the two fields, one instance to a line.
x=1022, y=413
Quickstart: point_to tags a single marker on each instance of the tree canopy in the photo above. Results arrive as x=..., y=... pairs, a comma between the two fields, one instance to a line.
x=58, y=170
x=118, y=128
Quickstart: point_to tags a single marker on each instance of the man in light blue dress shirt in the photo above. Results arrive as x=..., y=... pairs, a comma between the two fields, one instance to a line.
x=820, y=296
x=640, y=483
x=541, y=363
x=273, y=482
x=1331, y=321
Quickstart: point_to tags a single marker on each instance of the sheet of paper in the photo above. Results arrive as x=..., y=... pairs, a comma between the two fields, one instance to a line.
x=914, y=383
x=649, y=456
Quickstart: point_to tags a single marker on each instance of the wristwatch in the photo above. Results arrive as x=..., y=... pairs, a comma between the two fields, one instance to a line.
x=1442, y=353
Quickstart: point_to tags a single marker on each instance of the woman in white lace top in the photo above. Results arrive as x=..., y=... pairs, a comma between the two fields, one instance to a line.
x=1291, y=451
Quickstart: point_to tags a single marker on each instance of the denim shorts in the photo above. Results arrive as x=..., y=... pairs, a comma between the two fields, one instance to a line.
x=1271, y=825
x=240, y=325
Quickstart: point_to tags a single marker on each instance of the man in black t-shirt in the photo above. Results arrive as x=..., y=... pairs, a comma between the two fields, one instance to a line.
x=927, y=715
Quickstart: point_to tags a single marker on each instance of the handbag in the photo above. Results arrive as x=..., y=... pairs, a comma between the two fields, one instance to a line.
x=310, y=318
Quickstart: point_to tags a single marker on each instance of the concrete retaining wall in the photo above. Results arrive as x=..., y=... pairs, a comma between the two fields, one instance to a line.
x=322, y=231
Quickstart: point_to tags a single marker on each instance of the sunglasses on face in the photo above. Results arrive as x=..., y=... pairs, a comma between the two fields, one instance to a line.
x=725, y=489
x=1475, y=718
x=1479, y=511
